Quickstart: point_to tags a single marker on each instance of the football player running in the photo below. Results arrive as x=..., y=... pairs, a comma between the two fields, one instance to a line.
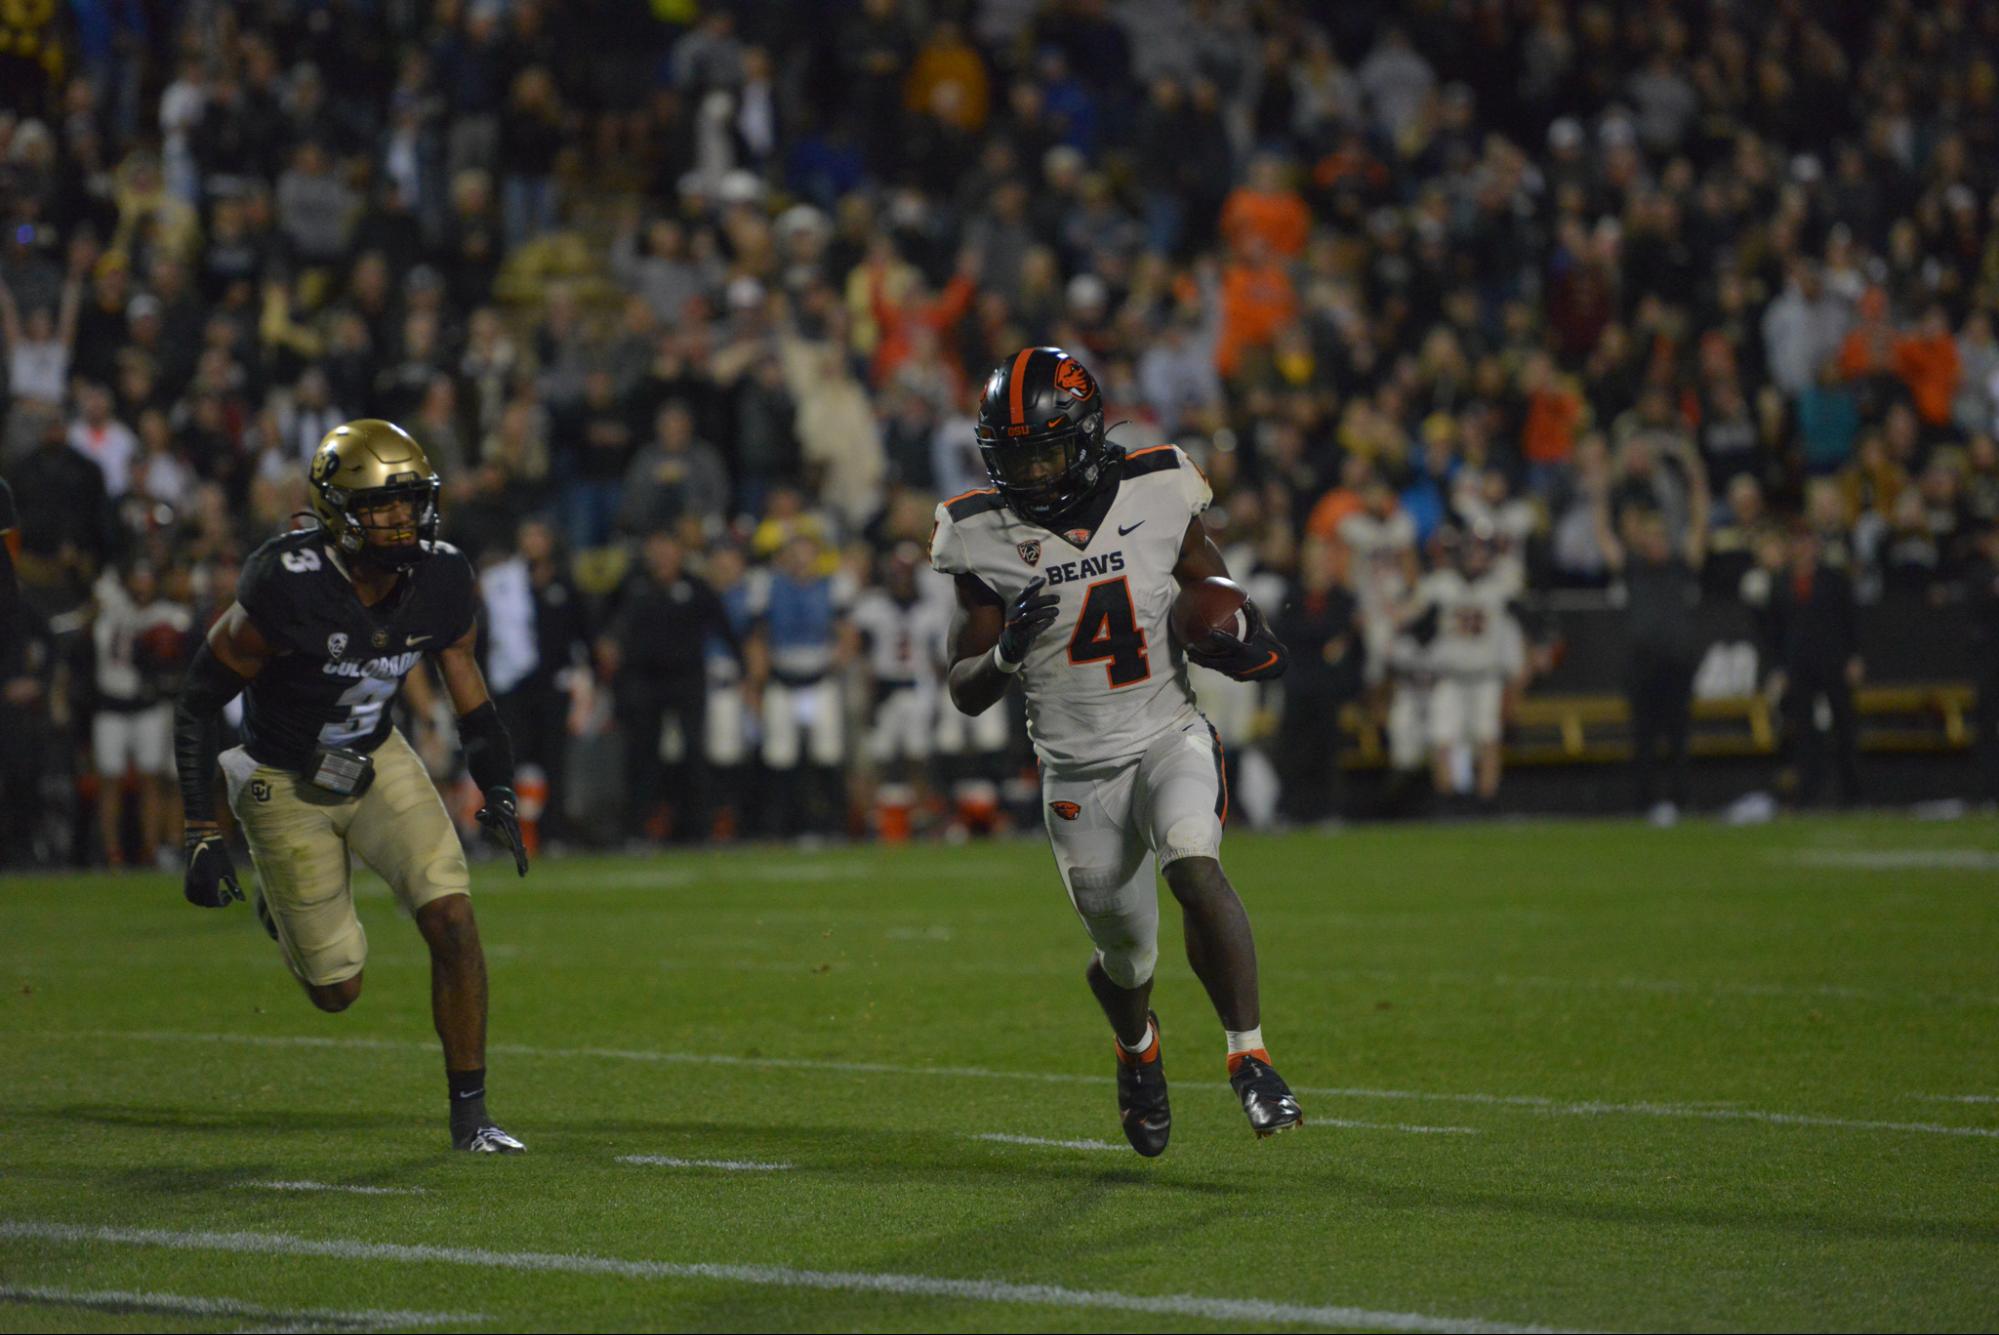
x=326, y=624
x=1066, y=571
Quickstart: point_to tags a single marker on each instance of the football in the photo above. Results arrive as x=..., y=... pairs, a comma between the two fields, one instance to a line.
x=1207, y=606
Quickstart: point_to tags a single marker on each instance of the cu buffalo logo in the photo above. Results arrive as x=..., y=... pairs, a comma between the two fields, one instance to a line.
x=325, y=465
x=1030, y=551
x=260, y=789
x=1070, y=375
x=1066, y=810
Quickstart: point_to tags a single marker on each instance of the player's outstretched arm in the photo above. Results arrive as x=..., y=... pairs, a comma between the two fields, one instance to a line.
x=489, y=752
x=989, y=640
x=1261, y=656
x=234, y=652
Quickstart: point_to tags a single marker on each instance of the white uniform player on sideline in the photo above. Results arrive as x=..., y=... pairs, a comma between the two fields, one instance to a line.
x=1477, y=649
x=1066, y=571
x=901, y=629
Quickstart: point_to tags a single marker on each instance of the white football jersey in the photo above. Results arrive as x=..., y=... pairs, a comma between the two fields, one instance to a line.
x=1476, y=633
x=1105, y=679
x=1380, y=549
x=903, y=638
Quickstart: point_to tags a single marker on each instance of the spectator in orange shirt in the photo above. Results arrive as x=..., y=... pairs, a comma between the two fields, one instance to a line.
x=1554, y=412
x=947, y=58
x=1927, y=363
x=899, y=309
x=1257, y=301
x=1333, y=508
x=1265, y=206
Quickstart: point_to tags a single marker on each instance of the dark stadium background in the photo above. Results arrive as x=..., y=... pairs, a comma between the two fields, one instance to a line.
x=1496, y=256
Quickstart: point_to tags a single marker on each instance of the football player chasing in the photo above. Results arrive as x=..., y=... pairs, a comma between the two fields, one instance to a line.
x=1066, y=571
x=326, y=624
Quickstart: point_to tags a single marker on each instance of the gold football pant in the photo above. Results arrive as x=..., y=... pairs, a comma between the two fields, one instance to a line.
x=300, y=837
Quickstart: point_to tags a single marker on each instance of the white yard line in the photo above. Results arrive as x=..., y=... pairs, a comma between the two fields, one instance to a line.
x=307, y=1318
x=1699, y=1111
x=1312, y=1121
x=348, y=1187
x=1959, y=1098
x=1892, y=859
x=1002, y=1138
x=1250, y=1313
x=726, y=1165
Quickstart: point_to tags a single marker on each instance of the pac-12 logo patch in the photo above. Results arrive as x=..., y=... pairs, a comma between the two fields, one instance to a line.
x=336, y=644
x=1066, y=810
x=380, y=639
x=1030, y=550
x=260, y=789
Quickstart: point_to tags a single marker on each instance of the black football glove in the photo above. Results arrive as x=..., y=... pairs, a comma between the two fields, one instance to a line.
x=503, y=825
x=1029, y=615
x=210, y=882
x=1261, y=657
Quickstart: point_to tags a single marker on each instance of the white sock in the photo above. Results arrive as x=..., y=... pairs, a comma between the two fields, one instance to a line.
x=1143, y=1043
x=1244, y=1040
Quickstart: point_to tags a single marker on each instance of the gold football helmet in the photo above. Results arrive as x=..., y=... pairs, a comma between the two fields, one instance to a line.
x=375, y=493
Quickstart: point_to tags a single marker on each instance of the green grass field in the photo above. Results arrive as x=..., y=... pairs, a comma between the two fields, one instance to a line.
x=1557, y=1075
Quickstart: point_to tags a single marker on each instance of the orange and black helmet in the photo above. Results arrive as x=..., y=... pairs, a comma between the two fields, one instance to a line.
x=1041, y=433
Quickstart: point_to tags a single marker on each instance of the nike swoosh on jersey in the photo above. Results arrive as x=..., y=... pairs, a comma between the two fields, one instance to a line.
x=1124, y=532
x=409, y=640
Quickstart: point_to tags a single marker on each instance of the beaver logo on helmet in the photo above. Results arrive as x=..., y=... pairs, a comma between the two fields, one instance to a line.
x=1041, y=433
x=1071, y=375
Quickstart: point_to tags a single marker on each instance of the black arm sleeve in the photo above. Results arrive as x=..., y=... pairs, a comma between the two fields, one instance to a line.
x=489, y=752
x=210, y=684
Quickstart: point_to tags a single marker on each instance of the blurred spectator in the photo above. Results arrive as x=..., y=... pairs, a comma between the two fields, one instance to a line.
x=537, y=659
x=141, y=644
x=672, y=477
x=800, y=637
x=104, y=440
x=654, y=649
x=1815, y=650
x=1981, y=589
x=1320, y=626
x=1660, y=571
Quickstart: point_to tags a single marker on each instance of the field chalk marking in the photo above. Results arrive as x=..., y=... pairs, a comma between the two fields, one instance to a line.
x=1355, y=1125
x=349, y=1188
x=1002, y=1138
x=1891, y=859
x=121, y=1300
x=725, y=1165
x=1250, y=1313
x=1533, y=1102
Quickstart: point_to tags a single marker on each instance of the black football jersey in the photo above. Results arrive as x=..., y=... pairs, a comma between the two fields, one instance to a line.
x=339, y=664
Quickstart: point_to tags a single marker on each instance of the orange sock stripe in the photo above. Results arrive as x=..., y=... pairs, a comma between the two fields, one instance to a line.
x=1145, y=1058
x=1236, y=1059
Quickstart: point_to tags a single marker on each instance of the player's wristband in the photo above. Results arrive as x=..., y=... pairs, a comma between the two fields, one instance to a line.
x=1005, y=664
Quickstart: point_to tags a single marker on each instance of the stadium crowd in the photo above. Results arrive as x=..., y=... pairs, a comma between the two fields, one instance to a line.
x=690, y=303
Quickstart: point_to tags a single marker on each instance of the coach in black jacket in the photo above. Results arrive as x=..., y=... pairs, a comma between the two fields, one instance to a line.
x=1318, y=623
x=1814, y=641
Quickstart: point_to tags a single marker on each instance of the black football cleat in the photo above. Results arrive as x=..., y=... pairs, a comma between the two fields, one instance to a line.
x=1141, y=1095
x=1266, y=1099
x=489, y=1139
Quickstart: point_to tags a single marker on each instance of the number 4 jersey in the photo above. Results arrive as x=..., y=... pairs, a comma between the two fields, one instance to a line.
x=338, y=664
x=1105, y=679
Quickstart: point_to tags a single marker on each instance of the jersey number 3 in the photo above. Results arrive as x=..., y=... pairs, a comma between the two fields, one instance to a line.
x=363, y=702
x=1107, y=632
